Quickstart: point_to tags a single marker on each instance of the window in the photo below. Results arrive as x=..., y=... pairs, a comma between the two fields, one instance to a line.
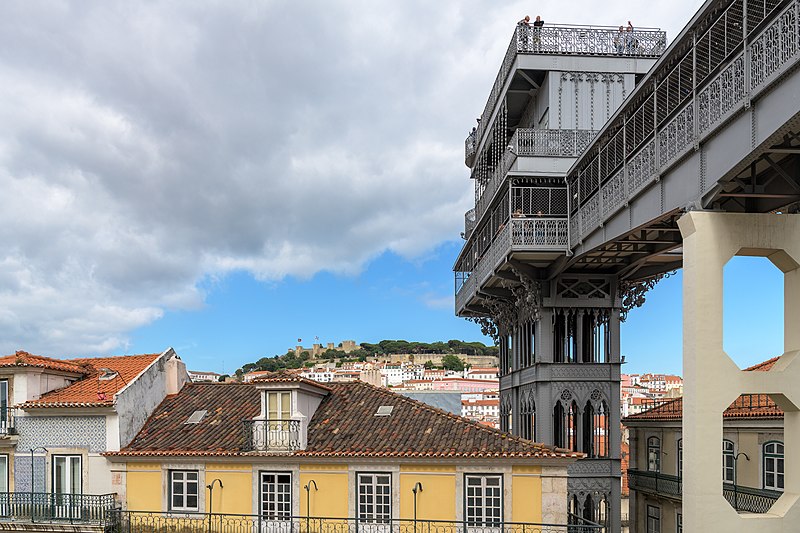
x=278, y=405
x=276, y=495
x=653, y=454
x=67, y=474
x=484, y=502
x=3, y=473
x=680, y=457
x=679, y=523
x=653, y=519
x=4, y=412
x=728, y=462
x=375, y=498
x=773, y=465
x=183, y=487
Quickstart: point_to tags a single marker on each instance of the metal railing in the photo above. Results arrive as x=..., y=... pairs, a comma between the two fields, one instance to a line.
x=531, y=233
x=570, y=39
x=540, y=233
x=655, y=482
x=136, y=521
x=551, y=143
x=742, y=499
x=7, y=425
x=748, y=499
x=591, y=40
x=271, y=435
x=470, y=147
x=51, y=507
x=711, y=79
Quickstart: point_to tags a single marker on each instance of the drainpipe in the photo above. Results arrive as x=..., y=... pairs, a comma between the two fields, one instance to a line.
x=210, y=499
x=307, y=488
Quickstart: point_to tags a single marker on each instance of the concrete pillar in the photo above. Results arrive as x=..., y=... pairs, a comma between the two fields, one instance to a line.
x=712, y=380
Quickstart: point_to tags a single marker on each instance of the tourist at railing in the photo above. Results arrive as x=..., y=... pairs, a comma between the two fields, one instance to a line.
x=537, y=33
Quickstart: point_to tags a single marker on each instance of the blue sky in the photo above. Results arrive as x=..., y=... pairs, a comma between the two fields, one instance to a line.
x=244, y=319
x=227, y=196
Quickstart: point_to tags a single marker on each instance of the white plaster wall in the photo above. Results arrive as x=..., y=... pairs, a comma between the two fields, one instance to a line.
x=137, y=401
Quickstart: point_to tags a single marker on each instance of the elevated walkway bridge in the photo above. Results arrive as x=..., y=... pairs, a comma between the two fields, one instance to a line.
x=714, y=124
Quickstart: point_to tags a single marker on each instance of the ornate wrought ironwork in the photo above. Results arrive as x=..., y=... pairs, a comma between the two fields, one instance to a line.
x=539, y=233
x=470, y=147
x=52, y=507
x=633, y=293
x=685, y=103
x=552, y=143
x=271, y=435
x=134, y=521
x=746, y=499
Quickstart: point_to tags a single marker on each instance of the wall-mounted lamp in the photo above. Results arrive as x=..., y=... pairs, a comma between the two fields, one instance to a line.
x=417, y=489
x=307, y=488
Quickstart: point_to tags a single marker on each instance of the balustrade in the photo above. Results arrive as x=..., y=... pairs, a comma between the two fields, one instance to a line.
x=683, y=109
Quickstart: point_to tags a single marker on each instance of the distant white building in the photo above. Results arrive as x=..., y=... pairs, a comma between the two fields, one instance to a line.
x=199, y=376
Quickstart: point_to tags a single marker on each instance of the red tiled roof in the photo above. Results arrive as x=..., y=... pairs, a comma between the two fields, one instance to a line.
x=91, y=391
x=286, y=377
x=21, y=359
x=344, y=425
x=745, y=406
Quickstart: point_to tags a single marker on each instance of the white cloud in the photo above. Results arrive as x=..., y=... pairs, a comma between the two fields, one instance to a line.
x=148, y=146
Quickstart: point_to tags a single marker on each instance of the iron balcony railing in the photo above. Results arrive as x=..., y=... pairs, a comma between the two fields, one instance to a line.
x=526, y=233
x=713, y=77
x=570, y=39
x=470, y=147
x=742, y=499
x=655, y=483
x=530, y=143
x=7, y=422
x=135, y=521
x=748, y=499
x=50, y=507
x=551, y=143
x=271, y=435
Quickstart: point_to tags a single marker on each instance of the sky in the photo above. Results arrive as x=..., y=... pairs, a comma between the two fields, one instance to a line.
x=227, y=177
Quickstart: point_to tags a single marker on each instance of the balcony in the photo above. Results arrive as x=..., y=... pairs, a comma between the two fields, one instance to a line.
x=128, y=521
x=271, y=435
x=470, y=147
x=519, y=234
x=564, y=39
x=50, y=508
x=531, y=143
x=7, y=423
x=743, y=499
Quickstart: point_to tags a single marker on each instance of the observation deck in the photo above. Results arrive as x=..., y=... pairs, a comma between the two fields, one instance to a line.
x=557, y=85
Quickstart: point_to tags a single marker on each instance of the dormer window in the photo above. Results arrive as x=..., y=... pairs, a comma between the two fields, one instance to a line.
x=287, y=404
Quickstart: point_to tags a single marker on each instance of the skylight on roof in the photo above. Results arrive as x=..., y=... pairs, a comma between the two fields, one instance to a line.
x=196, y=417
x=384, y=410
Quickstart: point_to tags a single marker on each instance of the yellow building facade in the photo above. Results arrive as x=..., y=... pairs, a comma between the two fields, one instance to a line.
x=343, y=451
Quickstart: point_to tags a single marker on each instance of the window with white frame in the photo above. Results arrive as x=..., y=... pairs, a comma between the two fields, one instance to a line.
x=183, y=490
x=484, y=501
x=773, y=465
x=653, y=519
x=680, y=457
x=374, y=497
x=3, y=473
x=653, y=454
x=276, y=495
x=728, y=462
x=67, y=474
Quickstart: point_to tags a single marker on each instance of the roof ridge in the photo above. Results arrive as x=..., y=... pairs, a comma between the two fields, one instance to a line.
x=458, y=418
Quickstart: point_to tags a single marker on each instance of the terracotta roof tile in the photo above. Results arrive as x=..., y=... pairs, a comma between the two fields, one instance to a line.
x=344, y=425
x=287, y=377
x=91, y=391
x=22, y=359
x=745, y=406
